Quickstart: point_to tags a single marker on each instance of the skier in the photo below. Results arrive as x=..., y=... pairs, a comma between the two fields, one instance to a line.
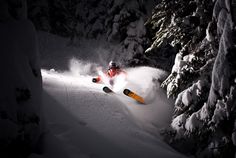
x=113, y=70
x=111, y=73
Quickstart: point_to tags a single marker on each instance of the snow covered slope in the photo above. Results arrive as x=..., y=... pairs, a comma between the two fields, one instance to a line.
x=89, y=123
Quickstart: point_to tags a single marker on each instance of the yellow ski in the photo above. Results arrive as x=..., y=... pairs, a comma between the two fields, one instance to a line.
x=133, y=95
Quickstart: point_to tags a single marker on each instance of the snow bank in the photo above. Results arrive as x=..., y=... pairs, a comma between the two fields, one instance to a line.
x=78, y=67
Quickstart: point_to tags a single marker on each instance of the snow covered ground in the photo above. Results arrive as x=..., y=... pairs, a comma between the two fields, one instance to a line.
x=86, y=122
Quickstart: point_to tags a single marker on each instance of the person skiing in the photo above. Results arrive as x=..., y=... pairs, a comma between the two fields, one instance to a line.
x=112, y=71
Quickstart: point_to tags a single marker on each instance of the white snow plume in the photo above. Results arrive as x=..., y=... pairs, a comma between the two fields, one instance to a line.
x=82, y=68
x=69, y=78
x=79, y=67
x=157, y=109
x=120, y=82
x=144, y=80
x=117, y=83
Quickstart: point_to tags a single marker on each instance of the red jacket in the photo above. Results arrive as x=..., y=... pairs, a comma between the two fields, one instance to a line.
x=112, y=72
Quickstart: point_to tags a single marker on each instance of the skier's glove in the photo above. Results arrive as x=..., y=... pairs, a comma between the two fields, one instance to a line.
x=94, y=80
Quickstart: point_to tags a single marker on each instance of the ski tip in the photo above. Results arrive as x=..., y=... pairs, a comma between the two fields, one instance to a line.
x=133, y=95
x=107, y=90
x=126, y=91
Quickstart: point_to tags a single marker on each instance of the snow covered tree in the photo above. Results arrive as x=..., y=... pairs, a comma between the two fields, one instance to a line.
x=120, y=22
x=39, y=14
x=202, y=80
x=173, y=25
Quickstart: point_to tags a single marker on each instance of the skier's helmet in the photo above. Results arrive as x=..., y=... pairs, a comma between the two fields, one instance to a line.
x=112, y=64
x=112, y=69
